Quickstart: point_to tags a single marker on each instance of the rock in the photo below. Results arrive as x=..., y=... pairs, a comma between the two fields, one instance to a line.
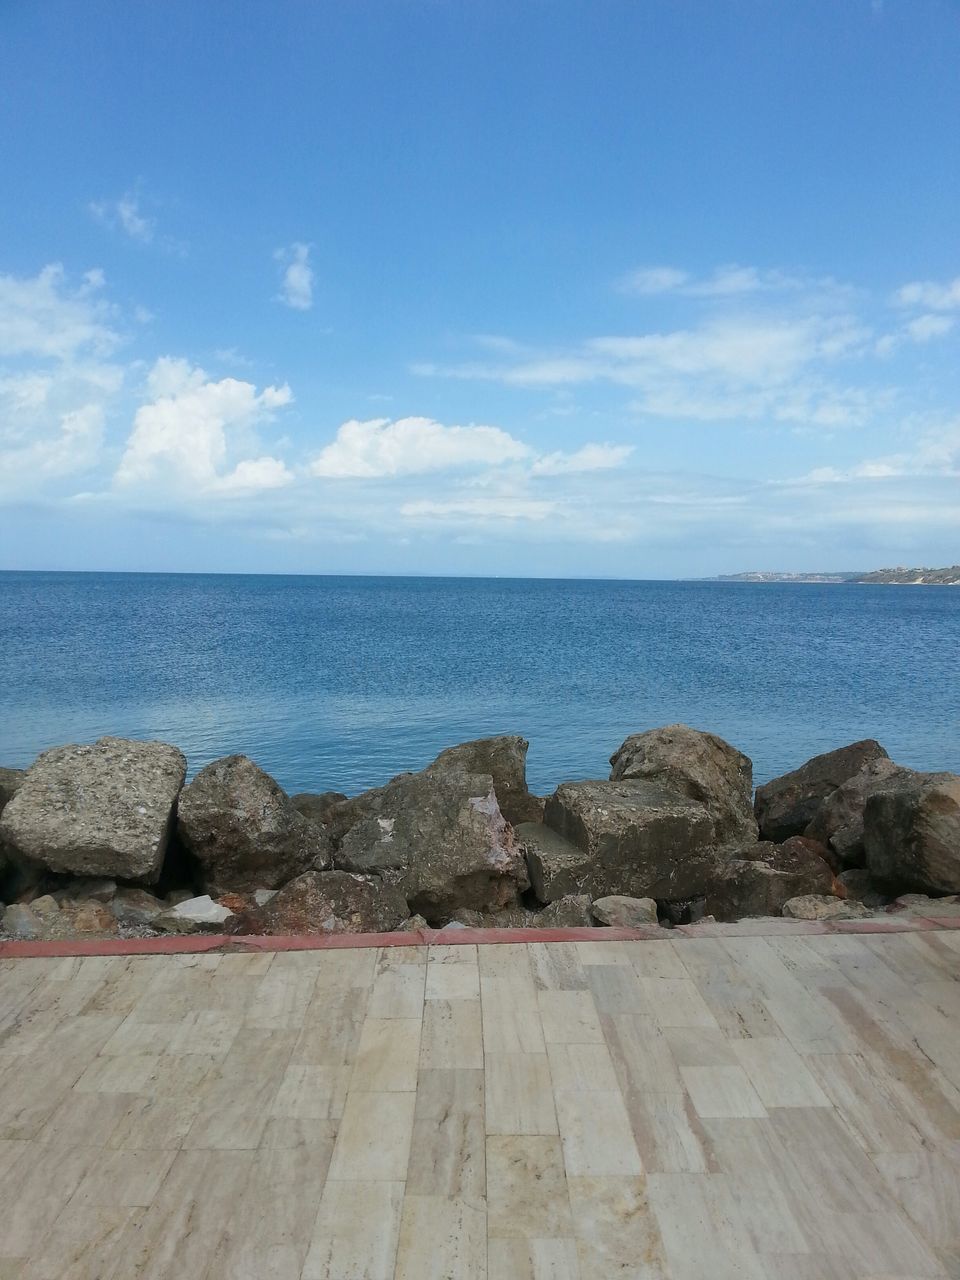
x=106, y=809
x=628, y=913
x=10, y=782
x=787, y=805
x=911, y=832
x=766, y=876
x=244, y=831
x=136, y=907
x=859, y=885
x=572, y=912
x=262, y=896
x=101, y=890
x=822, y=906
x=641, y=841
x=556, y=867
x=21, y=923
x=413, y=925
x=195, y=915
x=330, y=902
x=441, y=838
x=317, y=807
x=45, y=906
x=919, y=904
x=697, y=765
x=839, y=820
x=452, y=926
x=75, y=919
x=504, y=758
x=176, y=896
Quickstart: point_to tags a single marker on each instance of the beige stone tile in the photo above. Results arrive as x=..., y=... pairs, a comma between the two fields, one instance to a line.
x=281, y=998
x=722, y=1092
x=344, y=969
x=153, y=1123
x=616, y=989
x=778, y=1073
x=657, y=959
x=641, y=1054
x=697, y=1240
x=532, y=1260
x=600, y=951
x=616, y=1232
x=519, y=1094
x=583, y=1067
x=453, y=977
x=596, y=1134
x=124, y=1179
x=81, y=1244
x=447, y=1151
x=507, y=962
x=373, y=1141
x=10, y=1153
x=119, y=1073
x=526, y=1189
x=511, y=1015
x=33, y=1089
x=33, y=1192
x=926, y=1185
x=824, y=1155
x=452, y=1034
x=239, y=1093
x=135, y=1036
x=398, y=984
x=356, y=1232
x=387, y=1056
x=311, y=1093
x=676, y=1002
x=85, y=1119
x=442, y=1237
x=866, y=1102
x=284, y=1133
x=332, y=1027
x=556, y=966
x=207, y=1031
x=669, y=1134
x=569, y=1017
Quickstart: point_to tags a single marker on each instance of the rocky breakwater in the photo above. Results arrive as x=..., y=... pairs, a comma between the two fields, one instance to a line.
x=105, y=839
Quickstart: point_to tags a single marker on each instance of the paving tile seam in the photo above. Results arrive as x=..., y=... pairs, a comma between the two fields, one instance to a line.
x=246, y=943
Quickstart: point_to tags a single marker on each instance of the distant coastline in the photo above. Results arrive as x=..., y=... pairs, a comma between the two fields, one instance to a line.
x=900, y=577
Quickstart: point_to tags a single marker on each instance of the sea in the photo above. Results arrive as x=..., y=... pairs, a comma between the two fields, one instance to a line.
x=339, y=683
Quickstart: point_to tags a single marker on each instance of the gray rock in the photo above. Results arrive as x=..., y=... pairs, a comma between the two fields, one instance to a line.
x=441, y=838
x=628, y=913
x=413, y=925
x=642, y=841
x=44, y=906
x=262, y=896
x=812, y=906
x=859, y=885
x=787, y=805
x=106, y=809
x=504, y=758
x=556, y=867
x=839, y=820
x=21, y=923
x=764, y=877
x=136, y=906
x=244, y=831
x=10, y=782
x=572, y=912
x=330, y=902
x=911, y=833
x=80, y=919
x=96, y=890
x=697, y=765
x=920, y=904
x=195, y=915
x=317, y=806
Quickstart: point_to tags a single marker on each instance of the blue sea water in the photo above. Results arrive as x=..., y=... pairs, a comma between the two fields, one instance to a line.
x=339, y=683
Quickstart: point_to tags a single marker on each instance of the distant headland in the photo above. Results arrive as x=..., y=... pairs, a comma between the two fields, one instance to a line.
x=949, y=577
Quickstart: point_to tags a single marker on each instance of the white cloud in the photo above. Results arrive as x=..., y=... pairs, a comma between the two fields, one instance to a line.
x=125, y=215
x=506, y=507
x=925, y=327
x=43, y=316
x=296, y=287
x=730, y=280
x=412, y=446
x=930, y=295
x=190, y=434
x=653, y=280
x=591, y=457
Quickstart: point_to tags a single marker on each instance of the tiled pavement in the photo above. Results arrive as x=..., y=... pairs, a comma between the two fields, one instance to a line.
x=782, y=1106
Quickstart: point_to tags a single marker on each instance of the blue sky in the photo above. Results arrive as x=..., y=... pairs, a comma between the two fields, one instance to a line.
x=638, y=289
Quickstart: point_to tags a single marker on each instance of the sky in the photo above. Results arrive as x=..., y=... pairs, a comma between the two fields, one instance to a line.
x=567, y=288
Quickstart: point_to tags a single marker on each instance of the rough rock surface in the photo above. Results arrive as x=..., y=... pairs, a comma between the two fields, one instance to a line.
x=195, y=915
x=504, y=758
x=330, y=902
x=442, y=836
x=556, y=867
x=21, y=923
x=697, y=765
x=812, y=906
x=911, y=832
x=244, y=831
x=920, y=904
x=839, y=820
x=317, y=806
x=105, y=809
x=642, y=841
x=764, y=877
x=573, y=912
x=787, y=805
x=859, y=885
x=10, y=783
x=136, y=906
x=629, y=913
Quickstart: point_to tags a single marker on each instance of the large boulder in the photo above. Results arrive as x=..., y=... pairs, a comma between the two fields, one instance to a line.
x=329, y=902
x=787, y=805
x=243, y=830
x=640, y=840
x=105, y=809
x=317, y=806
x=443, y=840
x=765, y=876
x=839, y=820
x=697, y=765
x=911, y=833
x=572, y=912
x=504, y=758
x=10, y=783
x=556, y=867
x=821, y=906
